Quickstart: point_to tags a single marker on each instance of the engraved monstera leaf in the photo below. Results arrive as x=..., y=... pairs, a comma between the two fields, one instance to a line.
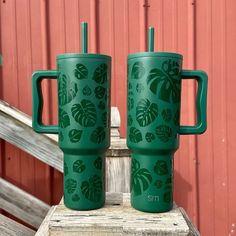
x=67, y=90
x=166, y=115
x=78, y=166
x=92, y=189
x=70, y=185
x=81, y=71
x=75, y=135
x=99, y=92
x=164, y=133
x=98, y=135
x=84, y=113
x=171, y=67
x=161, y=168
x=149, y=137
x=138, y=70
x=64, y=119
x=100, y=74
x=98, y=163
x=140, y=178
x=169, y=85
x=135, y=135
x=146, y=112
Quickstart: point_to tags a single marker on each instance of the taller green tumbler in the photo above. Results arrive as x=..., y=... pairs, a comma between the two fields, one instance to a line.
x=84, y=121
x=153, y=119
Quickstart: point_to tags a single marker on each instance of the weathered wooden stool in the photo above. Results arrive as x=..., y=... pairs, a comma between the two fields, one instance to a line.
x=117, y=217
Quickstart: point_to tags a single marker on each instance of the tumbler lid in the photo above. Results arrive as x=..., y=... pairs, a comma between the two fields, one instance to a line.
x=150, y=52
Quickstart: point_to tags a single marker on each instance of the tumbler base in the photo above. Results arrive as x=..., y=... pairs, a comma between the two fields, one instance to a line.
x=84, y=181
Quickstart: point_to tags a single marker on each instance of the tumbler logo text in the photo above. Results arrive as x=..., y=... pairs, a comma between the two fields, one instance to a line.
x=152, y=198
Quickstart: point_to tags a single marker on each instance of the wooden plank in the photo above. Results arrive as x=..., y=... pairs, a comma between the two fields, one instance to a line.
x=43, y=229
x=117, y=217
x=21, y=204
x=10, y=227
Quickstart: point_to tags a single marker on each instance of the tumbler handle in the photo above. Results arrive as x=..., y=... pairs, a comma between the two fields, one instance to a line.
x=201, y=102
x=37, y=78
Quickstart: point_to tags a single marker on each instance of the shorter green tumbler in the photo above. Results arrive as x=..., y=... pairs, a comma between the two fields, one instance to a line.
x=153, y=119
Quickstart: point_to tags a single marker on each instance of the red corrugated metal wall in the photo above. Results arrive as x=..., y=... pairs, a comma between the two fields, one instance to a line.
x=33, y=32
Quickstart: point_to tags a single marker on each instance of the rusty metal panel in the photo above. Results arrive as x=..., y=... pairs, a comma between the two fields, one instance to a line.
x=34, y=32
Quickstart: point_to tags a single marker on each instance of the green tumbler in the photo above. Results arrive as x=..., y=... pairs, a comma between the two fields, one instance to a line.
x=84, y=124
x=153, y=119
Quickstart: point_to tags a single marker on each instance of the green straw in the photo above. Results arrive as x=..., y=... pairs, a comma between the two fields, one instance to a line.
x=84, y=37
x=151, y=39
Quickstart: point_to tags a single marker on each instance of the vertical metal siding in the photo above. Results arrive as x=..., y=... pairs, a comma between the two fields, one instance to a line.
x=34, y=32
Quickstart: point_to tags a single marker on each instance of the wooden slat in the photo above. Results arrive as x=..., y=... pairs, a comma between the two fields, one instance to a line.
x=10, y=227
x=21, y=204
x=117, y=217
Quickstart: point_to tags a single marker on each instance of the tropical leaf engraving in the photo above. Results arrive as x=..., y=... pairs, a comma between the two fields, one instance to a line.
x=172, y=68
x=146, y=112
x=87, y=91
x=166, y=115
x=140, y=178
x=169, y=181
x=100, y=74
x=161, y=168
x=158, y=183
x=101, y=105
x=139, y=88
x=75, y=135
x=67, y=90
x=84, y=113
x=168, y=81
x=98, y=135
x=65, y=169
x=167, y=197
x=149, y=137
x=70, y=185
x=129, y=120
x=98, y=163
x=176, y=118
x=75, y=197
x=61, y=136
x=81, y=71
x=99, y=92
x=130, y=103
x=135, y=135
x=164, y=133
x=78, y=166
x=92, y=189
x=105, y=119
x=138, y=70
x=64, y=119
x=129, y=86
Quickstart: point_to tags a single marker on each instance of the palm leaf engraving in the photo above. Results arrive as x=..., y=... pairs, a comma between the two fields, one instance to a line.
x=98, y=163
x=75, y=197
x=167, y=197
x=78, y=166
x=138, y=70
x=176, y=118
x=158, y=183
x=100, y=74
x=65, y=169
x=129, y=120
x=149, y=137
x=164, y=133
x=87, y=91
x=70, y=185
x=105, y=119
x=64, y=119
x=81, y=71
x=99, y=92
x=84, y=113
x=167, y=80
x=130, y=103
x=98, y=135
x=139, y=88
x=101, y=105
x=166, y=115
x=67, y=90
x=75, y=135
x=135, y=135
x=161, y=168
x=146, y=112
x=140, y=178
x=92, y=189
